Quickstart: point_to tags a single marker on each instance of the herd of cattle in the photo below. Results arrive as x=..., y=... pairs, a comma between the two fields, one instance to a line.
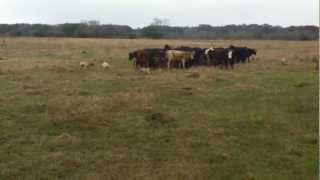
x=187, y=57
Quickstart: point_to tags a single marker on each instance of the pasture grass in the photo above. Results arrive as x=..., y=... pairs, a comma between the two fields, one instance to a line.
x=57, y=121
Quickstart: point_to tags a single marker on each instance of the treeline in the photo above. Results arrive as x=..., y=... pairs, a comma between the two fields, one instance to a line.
x=65, y=30
x=94, y=29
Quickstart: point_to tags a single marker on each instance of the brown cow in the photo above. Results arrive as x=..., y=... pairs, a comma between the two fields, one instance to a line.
x=141, y=58
x=151, y=57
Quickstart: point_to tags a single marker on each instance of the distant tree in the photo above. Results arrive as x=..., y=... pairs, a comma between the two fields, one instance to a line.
x=152, y=32
x=70, y=29
x=90, y=22
x=303, y=37
x=205, y=27
x=40, y=30
x=156, y=28
x=160, y=22
x=93, y=23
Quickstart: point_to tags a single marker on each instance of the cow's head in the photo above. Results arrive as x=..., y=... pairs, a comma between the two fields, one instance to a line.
x=193, y=54
x=167, y=47
x=131, y=56
x=253, y=51
x=230, y=54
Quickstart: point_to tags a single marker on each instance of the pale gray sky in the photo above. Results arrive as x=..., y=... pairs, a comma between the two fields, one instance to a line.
x=139, y=13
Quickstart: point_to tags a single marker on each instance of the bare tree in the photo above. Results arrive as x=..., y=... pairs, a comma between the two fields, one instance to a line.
x=160, y=22
x=90, y=22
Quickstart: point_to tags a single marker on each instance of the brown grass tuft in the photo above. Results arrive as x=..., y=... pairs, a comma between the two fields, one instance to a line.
x=131, y=98
x=194, y=75
x=65, y=138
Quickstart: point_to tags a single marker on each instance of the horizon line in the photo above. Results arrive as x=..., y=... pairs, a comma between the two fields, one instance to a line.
x=137, y=27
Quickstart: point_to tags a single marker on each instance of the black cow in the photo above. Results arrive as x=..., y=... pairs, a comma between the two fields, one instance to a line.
x=251, y=52
x=242, y=54
x=156, y=57
x=222, y=57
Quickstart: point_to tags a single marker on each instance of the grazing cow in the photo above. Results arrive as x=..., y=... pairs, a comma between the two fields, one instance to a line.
x=198, y=54
x=207, y=56
x=156, y=57
x=167, y=47
x=251, y=52
x=242, y=54
x=214, y=56
x=221, y=56
x=239, y=53
x=137, y=58
x=179, y=56
x=140, y=58
x=147, y=57
x=133, y=56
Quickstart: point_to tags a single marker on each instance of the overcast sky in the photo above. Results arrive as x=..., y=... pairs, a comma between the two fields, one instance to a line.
x=139, y=13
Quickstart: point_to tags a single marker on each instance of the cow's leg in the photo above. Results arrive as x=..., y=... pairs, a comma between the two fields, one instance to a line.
x=168, y=64
x=147, y=63
x=150, y=63
x=226, y=63
x=183, y=64
x=215, y=62
x=232, y=63
x=207, y=60
x=222, y=64
x=137, y=64
x=203, y=61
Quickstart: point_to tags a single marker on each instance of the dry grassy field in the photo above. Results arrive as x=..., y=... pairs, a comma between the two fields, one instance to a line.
x=57, y=121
